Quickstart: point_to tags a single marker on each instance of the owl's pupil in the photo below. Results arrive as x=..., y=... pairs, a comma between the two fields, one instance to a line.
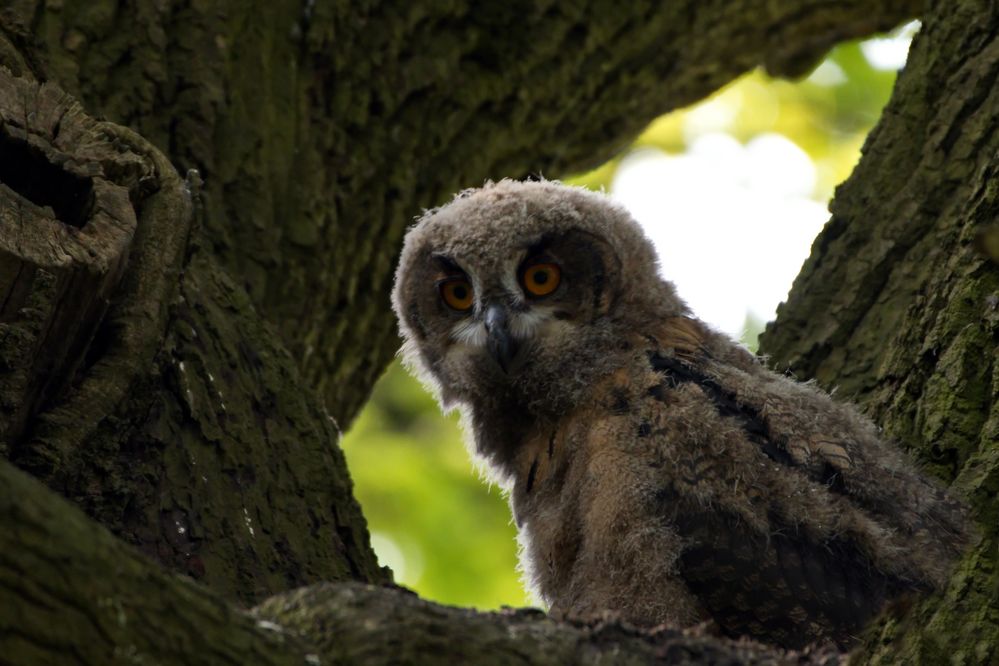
x=541, y=277
x=460, y=293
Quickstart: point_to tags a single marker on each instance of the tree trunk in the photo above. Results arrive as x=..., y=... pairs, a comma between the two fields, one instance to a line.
x=174, y=416
x=898, y=309
x=145, y=320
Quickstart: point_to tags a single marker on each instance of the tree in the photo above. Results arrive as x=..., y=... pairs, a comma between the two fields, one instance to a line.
x=169, y=346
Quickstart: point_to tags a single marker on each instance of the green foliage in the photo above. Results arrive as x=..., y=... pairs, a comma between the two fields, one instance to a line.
x=448, y=534
x=827, y=119
x=433, y=520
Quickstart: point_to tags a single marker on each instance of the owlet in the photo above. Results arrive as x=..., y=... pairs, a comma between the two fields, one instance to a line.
x=656, y=470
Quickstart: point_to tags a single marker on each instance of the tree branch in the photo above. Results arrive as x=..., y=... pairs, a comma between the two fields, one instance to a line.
x=400, y=628
x=321, y=129
x=73, y=592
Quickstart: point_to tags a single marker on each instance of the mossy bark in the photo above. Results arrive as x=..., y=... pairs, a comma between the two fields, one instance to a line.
x=898, y=308
x=74, y=594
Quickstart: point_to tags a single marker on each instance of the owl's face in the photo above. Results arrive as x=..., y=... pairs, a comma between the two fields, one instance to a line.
x=511, y=289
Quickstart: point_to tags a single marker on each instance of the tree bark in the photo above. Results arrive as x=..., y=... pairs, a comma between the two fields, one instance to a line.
x=174, y=416
x=321, y=129
x=138, y=380
x=898, y=308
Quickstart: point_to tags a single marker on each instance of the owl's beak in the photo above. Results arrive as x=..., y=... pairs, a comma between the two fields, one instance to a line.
x=499, y=342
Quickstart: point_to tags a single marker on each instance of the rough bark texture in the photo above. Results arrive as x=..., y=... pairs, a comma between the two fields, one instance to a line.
x=899, y=309
x=67, y=229
x=174, y=416
x=138, y=379
x=74, y=594
x=400, y=628
x=322, y=128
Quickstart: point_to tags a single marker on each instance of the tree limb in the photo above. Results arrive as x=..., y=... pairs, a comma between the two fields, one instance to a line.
x=74, y=593
x=321, y=129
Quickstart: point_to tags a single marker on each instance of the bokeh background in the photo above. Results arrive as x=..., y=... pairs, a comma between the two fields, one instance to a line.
x=732, y=191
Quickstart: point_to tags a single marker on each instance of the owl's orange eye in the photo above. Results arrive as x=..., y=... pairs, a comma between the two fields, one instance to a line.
x=457, y=293
x=541, y=279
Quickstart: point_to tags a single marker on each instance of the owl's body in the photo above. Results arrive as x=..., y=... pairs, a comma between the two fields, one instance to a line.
x=656, y=469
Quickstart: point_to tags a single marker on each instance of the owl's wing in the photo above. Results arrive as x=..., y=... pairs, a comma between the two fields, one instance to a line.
x=833, y=444
x=801, y=428
x=787, y=587
x=796, y=514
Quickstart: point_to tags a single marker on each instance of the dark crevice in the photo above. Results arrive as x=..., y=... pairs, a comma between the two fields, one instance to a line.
x=13, y=300
x=26, y=170
x=105, y=339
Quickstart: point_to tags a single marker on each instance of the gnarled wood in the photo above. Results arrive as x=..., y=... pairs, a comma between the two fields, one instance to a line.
x=185, y=429
x=65, y=233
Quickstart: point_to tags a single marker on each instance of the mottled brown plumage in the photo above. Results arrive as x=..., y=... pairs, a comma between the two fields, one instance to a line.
x=655, y=468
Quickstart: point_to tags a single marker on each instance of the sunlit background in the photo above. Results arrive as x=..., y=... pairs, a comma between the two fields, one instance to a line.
x=732, y=191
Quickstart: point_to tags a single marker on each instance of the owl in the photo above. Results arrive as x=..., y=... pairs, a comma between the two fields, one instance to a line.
x=656, y=470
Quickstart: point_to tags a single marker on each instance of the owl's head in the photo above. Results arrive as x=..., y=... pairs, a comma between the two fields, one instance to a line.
x=520, y=291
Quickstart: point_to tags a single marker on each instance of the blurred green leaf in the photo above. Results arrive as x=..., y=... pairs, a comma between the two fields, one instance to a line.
x=421, y=494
